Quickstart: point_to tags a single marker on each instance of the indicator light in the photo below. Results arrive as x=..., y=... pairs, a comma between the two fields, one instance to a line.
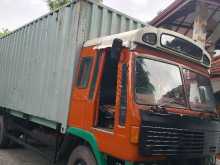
x=134, y=136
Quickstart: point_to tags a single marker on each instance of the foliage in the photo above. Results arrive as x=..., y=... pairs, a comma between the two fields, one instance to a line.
x=54, y=4
x=4, y=32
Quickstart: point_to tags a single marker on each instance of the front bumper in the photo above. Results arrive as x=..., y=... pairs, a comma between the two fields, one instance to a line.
x=177, y=136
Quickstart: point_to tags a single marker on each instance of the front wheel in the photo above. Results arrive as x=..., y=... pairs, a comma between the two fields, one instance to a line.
x=82, y=155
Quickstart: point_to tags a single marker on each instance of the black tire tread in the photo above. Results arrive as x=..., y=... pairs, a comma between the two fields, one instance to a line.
x=82, y=152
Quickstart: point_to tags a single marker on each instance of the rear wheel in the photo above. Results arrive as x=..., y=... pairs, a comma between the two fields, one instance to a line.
x=4, y=141
x=82, y=155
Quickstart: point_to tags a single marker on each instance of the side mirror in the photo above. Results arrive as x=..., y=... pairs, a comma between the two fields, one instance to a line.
x=116, y=49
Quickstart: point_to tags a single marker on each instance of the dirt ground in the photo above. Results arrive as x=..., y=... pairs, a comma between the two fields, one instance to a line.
x=21, y=157
x=24, y=157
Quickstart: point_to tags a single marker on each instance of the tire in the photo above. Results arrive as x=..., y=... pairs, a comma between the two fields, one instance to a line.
x=82, y=155
x=4, y=141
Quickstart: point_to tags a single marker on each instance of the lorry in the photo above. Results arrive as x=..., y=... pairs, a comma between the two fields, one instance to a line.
x=74, y=83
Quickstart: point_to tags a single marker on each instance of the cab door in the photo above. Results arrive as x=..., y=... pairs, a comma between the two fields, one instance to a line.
x=114, y=131
x=79, y=100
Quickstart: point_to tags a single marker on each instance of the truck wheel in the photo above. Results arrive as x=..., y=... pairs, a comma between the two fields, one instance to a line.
x=82, y=155
x=4, y=141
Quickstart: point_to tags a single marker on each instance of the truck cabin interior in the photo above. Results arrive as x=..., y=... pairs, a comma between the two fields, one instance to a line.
x=108, y=92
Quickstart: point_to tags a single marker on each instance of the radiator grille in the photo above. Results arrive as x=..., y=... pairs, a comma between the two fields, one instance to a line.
x=157, y=140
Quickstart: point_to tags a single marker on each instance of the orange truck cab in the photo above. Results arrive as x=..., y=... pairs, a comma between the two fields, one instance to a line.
x=146, y=98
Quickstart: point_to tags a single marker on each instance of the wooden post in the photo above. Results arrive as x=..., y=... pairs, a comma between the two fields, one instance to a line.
x=200, y=23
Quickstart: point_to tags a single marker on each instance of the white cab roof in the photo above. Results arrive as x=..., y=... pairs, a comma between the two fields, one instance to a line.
x=135, y=36
x=130, y=36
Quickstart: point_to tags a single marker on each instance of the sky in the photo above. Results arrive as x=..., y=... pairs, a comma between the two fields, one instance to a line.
x=15, y=13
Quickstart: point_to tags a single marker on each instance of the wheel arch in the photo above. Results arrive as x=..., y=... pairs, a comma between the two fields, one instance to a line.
x=91, y=140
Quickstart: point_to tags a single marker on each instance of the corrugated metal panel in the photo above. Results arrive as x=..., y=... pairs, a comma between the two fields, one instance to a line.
x=37, y=61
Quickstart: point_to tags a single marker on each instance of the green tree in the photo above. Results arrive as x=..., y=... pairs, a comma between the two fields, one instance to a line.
x=4, y=32
x=54, y=4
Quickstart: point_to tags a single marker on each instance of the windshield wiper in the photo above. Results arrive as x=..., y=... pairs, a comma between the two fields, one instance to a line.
x=161, y=108
x=158, y=108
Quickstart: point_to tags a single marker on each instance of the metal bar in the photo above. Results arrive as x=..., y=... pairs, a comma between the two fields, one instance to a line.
x=58, y=143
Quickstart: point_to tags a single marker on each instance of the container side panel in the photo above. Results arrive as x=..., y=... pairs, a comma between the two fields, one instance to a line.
x=103, y=21
x=37, y=64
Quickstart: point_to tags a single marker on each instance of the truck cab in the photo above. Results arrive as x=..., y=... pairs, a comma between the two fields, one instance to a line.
x=146, y=97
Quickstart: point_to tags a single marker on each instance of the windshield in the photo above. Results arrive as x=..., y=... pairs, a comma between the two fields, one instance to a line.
x=199, y=91
x=158, y=83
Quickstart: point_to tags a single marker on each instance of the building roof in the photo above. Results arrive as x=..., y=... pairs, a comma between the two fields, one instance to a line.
x=179, y=17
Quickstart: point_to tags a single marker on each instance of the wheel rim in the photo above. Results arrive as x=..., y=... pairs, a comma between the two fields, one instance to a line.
x=80, y=162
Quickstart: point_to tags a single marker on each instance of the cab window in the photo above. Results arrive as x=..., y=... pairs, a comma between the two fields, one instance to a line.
x=84, y=72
